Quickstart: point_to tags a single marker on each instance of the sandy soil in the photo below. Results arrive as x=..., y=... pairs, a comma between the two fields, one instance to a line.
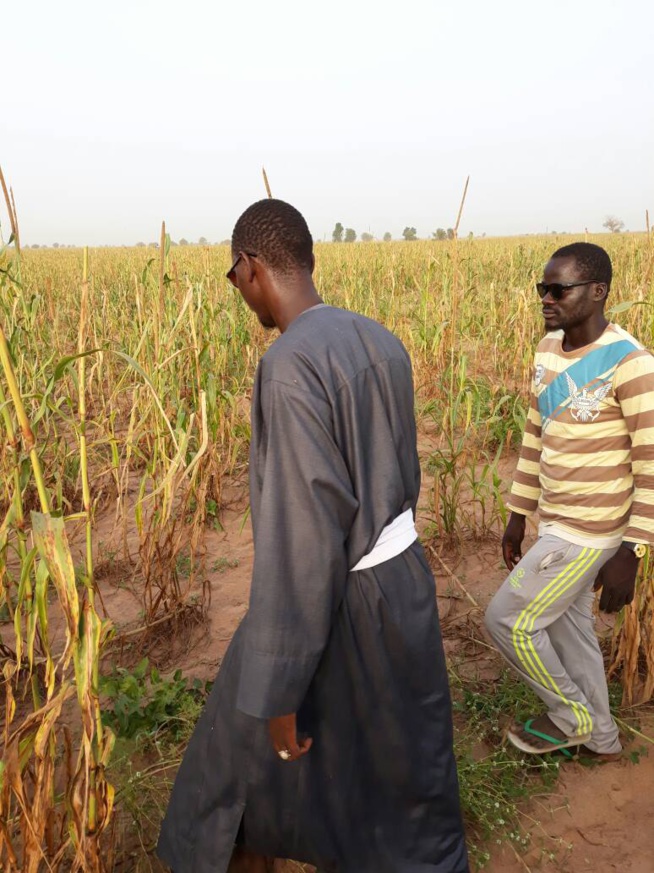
x=598, y=819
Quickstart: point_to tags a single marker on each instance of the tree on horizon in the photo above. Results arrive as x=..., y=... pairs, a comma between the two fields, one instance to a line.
x=613, y=223
x=337, y=233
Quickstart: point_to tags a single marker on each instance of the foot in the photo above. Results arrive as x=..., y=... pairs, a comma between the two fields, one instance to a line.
x=526, y=736
x=601, y=757
x=244, y=861
x=544, y=725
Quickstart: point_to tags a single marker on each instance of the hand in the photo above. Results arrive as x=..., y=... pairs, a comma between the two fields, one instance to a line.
x=283, y=734
x=512, y=540
x=617, y=579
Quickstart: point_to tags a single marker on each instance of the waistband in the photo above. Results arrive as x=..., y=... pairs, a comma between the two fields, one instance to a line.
x=608, y=541
x=395, y=538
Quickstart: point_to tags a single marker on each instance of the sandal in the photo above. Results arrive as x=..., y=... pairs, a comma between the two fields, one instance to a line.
x=554, y=744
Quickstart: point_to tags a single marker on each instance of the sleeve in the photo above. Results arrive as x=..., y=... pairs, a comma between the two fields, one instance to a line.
x=526, y=488
x=305, y=512
x=634, y=389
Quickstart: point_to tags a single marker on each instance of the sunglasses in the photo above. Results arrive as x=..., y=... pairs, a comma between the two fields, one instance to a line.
x=230, y=273
x=556, y=289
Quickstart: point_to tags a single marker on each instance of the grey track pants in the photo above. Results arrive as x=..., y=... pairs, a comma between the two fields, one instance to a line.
x=541, y=620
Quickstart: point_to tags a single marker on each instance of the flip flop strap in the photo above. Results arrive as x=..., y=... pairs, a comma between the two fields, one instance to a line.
x=530, y=730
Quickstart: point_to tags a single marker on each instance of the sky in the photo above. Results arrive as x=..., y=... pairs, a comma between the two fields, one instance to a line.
x=116, y=116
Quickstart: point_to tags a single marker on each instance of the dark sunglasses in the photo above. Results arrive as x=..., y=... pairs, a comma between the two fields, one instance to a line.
x=556, y=289
x=230, y=273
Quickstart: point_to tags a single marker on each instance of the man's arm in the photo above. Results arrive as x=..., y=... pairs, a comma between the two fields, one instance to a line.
x=304, y=516
x=526, y=489
x=526, y=481
x=634, y=390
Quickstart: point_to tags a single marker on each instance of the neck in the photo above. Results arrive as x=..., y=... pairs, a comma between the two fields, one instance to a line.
x=294, y=297
x=584, y=334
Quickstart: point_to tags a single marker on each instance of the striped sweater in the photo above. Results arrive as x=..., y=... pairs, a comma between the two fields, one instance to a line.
x=587, y=458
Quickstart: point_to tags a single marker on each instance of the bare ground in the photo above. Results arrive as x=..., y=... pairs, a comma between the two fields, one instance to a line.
x=597, y=819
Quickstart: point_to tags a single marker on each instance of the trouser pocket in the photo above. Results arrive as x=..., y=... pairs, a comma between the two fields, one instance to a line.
x=557, y=556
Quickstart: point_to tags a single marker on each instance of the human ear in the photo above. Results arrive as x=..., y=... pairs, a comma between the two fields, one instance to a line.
x=601, y=291
x=250, y=266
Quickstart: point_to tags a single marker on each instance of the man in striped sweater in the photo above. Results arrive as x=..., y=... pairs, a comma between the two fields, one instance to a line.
x=587, y=466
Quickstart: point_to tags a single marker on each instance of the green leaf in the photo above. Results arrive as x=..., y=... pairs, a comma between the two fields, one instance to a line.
x=626, y=305
x=64, y=363
x=59, y=371
x=50, y=537
x=141, y=669
x=144, y=275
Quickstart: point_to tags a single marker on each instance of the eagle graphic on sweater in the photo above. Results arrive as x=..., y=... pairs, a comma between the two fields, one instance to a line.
x=585, y=404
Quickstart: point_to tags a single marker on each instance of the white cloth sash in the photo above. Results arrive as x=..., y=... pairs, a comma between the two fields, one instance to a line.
x=393, y=540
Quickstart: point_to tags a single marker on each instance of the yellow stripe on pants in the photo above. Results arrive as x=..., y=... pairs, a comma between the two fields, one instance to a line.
x=583, y=716
x=532, y=605
x=523, y=642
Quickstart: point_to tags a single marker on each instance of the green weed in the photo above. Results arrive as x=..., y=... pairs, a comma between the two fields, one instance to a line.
x=221, y=565
x=154, y=719
x=141, y=701
x=495, y=779
x=467, y=494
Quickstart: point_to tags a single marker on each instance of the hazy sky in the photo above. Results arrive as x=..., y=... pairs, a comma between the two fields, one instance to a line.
x=117, y=115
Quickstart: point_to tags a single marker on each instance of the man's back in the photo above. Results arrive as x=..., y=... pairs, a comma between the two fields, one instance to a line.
x=356, y=377
x=327, y=737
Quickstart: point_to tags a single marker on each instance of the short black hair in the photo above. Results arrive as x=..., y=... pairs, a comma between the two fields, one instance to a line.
x=277, y=234
x=592, y=260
